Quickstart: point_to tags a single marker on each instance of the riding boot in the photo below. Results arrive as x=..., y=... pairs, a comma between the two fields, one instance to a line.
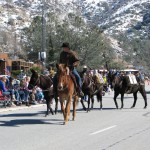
x=79, y=90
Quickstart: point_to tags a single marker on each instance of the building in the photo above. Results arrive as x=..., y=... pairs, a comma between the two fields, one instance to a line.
x=6, y=64
x=20, y=64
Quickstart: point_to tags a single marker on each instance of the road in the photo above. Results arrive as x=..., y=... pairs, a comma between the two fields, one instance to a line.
x=109, y=129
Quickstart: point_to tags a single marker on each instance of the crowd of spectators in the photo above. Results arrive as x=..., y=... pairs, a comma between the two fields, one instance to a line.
x=18, y=92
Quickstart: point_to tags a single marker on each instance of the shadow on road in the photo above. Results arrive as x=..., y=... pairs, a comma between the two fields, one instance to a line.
x=25, y=114
x=20, y=115
x=18, y=123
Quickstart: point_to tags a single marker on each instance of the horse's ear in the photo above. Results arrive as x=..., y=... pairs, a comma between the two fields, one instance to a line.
x=33, y=71
x=65, y=65
x=57, y=66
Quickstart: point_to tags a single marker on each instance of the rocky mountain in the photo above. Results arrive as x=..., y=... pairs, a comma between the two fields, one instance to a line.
x=115, y=16
x=112, y=15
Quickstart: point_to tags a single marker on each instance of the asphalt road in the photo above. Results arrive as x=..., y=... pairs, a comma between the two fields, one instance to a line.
x=109, y=129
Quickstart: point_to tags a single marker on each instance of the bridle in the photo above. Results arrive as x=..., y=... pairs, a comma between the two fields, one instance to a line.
x=66, y=87
x=36, y=83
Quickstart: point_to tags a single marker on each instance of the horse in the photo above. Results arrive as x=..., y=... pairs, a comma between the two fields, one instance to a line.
x=90, y=88
x=45, y=83
x=66, y=91
x=120, y=85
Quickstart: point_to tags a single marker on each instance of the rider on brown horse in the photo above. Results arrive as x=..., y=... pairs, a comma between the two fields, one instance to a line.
x=69, y=58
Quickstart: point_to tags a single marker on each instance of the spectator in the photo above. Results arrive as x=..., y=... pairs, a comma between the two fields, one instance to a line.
x=39, y=95
x=3, y=88
x=26, y=90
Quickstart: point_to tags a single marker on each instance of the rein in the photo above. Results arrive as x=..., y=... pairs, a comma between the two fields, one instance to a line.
x=37, y=84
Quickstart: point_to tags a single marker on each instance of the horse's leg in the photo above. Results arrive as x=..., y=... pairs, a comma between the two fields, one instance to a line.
x=47, y=104
x=122, y=97
x=99, y=97
x=62, y=108
x=92, y=100
x=56, y=103
x=69, y=105
x=100, y=100
x=135, y=99
x=50, y=108
x=89, y=98
x=67, y=110
x=74, y=107
x=83, y=104
x=143, y=92
x=115, y=96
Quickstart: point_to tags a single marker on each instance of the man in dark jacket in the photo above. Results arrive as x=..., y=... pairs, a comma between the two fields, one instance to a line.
x=70, y=58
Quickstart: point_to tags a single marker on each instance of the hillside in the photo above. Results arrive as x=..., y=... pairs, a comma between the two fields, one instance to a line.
x=130, y=18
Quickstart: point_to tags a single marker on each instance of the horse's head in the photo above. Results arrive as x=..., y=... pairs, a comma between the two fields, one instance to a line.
x=34, y=79
x=87, y=80
x=62, y=79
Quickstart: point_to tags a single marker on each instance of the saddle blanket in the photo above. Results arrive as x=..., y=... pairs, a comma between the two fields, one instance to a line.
x=132, y=79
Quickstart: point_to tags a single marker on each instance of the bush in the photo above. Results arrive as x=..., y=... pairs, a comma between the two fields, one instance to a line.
x=15, y=73
x=38, y=69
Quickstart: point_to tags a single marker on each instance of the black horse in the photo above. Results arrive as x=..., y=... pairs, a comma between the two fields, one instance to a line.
x=120, y=85
x=45, y=83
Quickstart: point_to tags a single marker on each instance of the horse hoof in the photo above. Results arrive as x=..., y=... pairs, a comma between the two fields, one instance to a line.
x=145, y=107
x=132, y=107
x=65, y=123
x=55, y=111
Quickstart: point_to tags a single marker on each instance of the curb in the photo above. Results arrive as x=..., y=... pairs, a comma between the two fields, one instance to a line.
x=20, y=108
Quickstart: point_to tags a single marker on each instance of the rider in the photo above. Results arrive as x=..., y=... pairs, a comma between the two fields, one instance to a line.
x=84, y=71
x=69, y=58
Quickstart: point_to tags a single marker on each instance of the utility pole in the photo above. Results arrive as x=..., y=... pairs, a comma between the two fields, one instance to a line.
x=43, y=42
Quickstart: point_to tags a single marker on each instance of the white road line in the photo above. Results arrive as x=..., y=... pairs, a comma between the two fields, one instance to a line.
x=103, y=130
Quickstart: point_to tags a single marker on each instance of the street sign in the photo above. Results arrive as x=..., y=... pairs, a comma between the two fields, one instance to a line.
x=42, y=56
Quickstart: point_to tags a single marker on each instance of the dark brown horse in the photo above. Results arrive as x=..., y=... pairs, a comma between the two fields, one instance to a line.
x=66, y=91
x=90, y=88
x=45, y=83
x=120, y=85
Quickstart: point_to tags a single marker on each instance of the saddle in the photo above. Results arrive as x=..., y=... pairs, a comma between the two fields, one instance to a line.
x=132, y=79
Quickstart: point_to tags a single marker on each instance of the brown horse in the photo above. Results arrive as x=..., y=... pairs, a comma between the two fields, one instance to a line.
x=66, y=91
x=120, y=85
x=45, y=83
x=91, y=88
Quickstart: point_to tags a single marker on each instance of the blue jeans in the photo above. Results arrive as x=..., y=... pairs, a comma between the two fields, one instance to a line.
x=17, y=95
x=21, y=95
x=78, y=78
x=26, y=95
x=6, y=93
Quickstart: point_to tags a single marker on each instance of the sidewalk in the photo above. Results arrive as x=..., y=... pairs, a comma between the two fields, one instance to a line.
x=13, y=108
